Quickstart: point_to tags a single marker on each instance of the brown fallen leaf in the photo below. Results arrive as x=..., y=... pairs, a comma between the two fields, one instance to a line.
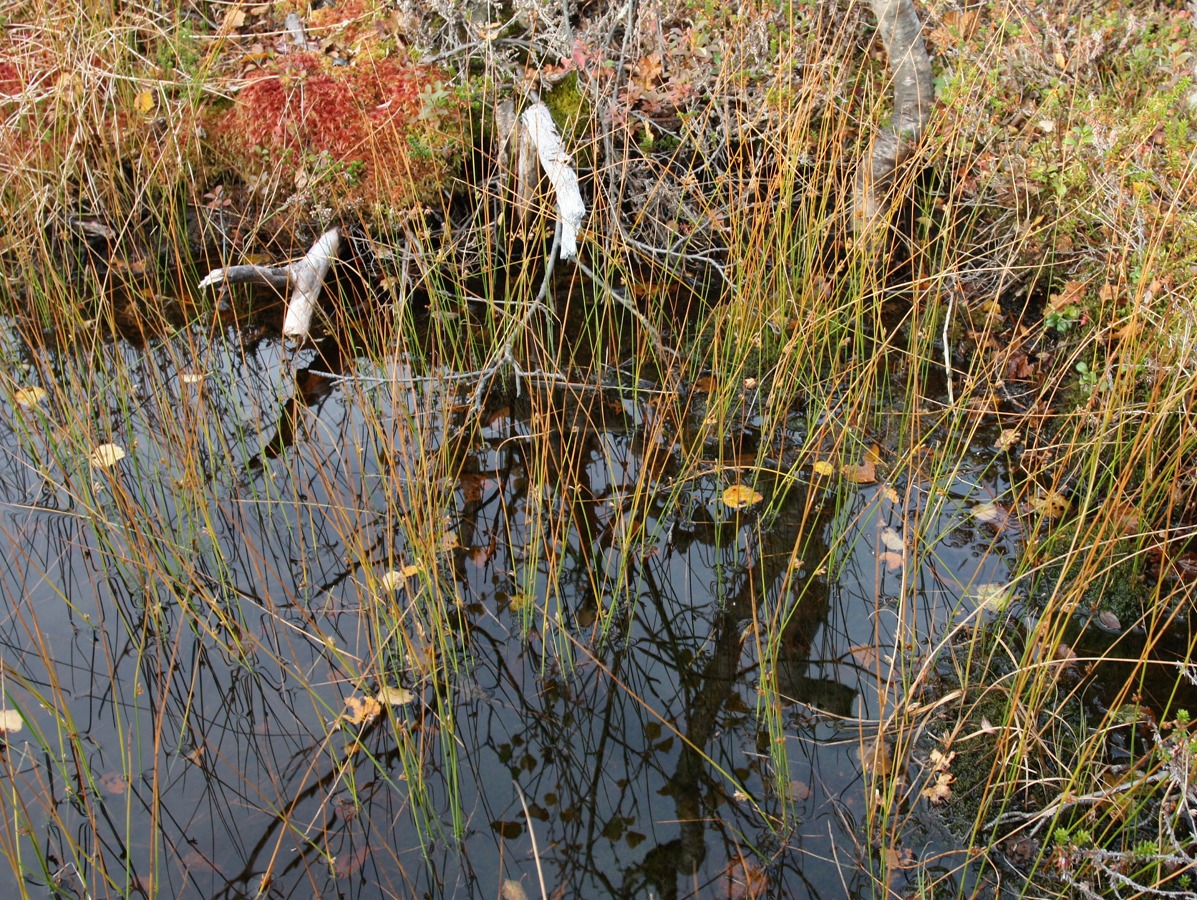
x=361, y=710
x=939, y=791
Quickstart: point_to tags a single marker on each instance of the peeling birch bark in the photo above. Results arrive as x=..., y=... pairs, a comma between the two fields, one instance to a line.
x=305, y=278
x=540, y=130
x=901, y=33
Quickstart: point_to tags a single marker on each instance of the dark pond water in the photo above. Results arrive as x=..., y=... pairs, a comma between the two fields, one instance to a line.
x=181, y=632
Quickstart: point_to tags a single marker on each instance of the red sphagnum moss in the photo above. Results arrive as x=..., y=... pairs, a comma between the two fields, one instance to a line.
x=374, y=136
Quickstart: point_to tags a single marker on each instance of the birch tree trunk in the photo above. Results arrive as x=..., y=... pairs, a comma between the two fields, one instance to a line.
x=902, y=35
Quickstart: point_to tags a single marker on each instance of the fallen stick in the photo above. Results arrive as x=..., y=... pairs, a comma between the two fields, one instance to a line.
x=305, y=278
x=540, y=129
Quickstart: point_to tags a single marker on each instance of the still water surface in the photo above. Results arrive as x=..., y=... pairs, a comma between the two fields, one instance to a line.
x=181, y=632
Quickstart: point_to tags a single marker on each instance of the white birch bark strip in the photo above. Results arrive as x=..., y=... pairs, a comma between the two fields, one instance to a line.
x=571, y=208
x=307, y=276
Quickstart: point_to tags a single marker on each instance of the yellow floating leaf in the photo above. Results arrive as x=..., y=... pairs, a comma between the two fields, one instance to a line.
x=361, y=710
x=741, y=496
x=10, y=721
x=992, y=595
x=1052, y=504
x=144, y=102
x=823, y=467
x=29, y=396
x=106, y=456
x=409, y=570
x=394, y=696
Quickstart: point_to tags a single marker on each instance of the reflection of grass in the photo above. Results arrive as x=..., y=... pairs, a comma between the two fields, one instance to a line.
x=252, y=525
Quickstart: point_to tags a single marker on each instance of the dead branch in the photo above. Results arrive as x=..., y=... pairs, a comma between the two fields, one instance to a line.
x=901, y=33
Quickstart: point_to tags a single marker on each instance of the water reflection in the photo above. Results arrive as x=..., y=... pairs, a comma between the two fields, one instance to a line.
x=196, y=618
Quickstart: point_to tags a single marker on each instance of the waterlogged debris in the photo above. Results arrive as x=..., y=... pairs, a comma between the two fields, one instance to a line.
x=512, y=890
x=800, y=791
x=361, y=710
x=823, y=467
x=893, y=561
x=868, y=655
x=740, y=496
x=507, y=829
x=893, y=540
x=866, y=472
x=10, y=721
x=29, y=397
x=745, y=879
x=394, y=696
x=1051, y=504
x=875, y=757
x=106, y=456
x=114, y=783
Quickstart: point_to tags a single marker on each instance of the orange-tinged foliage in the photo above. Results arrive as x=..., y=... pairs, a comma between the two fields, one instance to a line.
x=377, y=133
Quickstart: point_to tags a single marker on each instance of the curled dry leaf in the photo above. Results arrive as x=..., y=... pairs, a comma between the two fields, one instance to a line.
x=740, y=496
x=106, y=456
x=940, y=761
x=940, y=790
x=1009, y=438
x=1109, y=621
